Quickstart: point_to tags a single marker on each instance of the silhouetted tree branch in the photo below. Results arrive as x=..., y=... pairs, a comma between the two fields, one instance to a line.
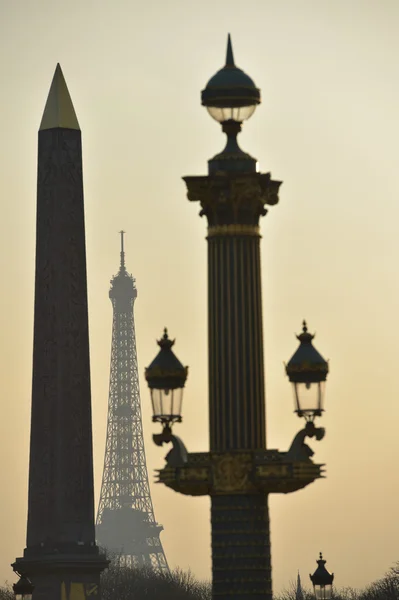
x=125, y=583
x=6, y=592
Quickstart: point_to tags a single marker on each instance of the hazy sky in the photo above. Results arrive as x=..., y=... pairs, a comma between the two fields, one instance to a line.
x=328, y=127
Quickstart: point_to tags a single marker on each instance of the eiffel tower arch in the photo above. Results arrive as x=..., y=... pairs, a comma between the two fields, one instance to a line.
x=126, y=524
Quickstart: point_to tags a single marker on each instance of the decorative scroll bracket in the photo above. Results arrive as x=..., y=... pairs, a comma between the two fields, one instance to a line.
x=177, y=457
x=298, y=449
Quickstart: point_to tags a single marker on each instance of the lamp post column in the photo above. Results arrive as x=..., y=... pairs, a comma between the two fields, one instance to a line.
x=233, y=197
x=233, y=204
x=236, y=381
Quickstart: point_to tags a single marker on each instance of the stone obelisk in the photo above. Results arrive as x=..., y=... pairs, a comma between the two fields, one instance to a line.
x=61, y=557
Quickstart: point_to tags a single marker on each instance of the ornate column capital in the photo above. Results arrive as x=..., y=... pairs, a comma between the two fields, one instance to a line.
x=233, y=199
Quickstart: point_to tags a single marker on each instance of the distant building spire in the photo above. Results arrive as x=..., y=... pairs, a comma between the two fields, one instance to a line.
x=299, y=590
x=59, y=112
x=122, y=266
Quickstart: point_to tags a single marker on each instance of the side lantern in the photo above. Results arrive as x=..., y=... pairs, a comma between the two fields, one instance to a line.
x=166, y=378
x=307, y=371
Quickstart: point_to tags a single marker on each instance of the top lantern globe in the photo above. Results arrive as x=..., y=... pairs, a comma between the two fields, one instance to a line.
x=307, y=370
x=230, y=95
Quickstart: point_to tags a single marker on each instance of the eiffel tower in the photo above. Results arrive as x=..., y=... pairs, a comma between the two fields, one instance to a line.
x=126, y=525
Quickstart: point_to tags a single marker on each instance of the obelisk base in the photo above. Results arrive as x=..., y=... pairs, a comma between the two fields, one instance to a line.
x=63, y=576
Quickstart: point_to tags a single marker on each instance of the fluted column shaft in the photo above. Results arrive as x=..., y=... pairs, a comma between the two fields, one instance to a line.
x=240, y=523
x=236, y=379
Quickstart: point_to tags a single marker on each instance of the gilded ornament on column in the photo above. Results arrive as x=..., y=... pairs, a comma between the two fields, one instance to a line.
x=232, y=473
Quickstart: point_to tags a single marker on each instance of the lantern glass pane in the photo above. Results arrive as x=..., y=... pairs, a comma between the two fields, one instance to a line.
x=226, y=113
x=309, y=398
x=166, y=404
x=156, y=402
x=178, y=402
x=323, y=592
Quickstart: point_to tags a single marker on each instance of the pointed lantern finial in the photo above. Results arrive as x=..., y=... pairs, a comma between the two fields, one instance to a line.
x=165, y=342
x=229, y=53
x=59, y=112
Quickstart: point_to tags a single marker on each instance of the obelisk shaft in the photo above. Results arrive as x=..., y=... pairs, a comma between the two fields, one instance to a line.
x=61, y=557
x=61, y=509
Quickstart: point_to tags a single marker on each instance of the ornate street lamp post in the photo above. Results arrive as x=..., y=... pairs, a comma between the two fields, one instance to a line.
x=238, y=472
x=322, y=581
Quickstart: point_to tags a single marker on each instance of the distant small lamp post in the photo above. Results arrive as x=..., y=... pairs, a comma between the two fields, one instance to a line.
x=322, y=581
x=23, y=589
x=166, y=378
x=307, y=370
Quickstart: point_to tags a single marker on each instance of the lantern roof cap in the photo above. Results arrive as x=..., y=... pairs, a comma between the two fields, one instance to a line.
x=321, y=576
x=166, y=371
x=306, y=364
x=23, y=586
x=165, y=343
x=230, y=86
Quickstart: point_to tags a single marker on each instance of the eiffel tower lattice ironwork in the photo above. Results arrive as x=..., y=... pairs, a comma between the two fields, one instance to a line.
x=126, y=523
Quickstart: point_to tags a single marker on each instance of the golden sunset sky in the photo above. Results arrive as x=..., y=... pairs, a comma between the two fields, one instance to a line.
x=328, y=127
